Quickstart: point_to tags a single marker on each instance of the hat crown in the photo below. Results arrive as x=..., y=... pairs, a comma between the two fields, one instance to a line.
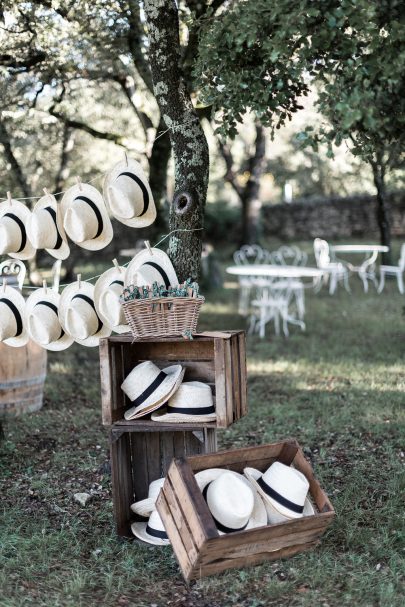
x=80, y=222
x=43, y=325
x=8, y=324
x=126, y=201
x=155, y=487
x=191, y=394
x=43, y=232
x=10, y=236
x=155, y=522
x=140, y=378
x=110, y=305
x=81, y=319
x=288, y=482
x=230, y=500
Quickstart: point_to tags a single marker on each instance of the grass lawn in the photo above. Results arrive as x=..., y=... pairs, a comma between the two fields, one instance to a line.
x=339, y=388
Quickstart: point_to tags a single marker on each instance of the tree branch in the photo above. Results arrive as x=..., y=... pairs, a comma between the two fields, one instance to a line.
x=82, y=126
x=135, y=43
x=22, y=65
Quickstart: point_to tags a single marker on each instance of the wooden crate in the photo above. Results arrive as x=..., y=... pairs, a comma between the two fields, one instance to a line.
x=140, y=455
x=217, y=358
x=199, y=549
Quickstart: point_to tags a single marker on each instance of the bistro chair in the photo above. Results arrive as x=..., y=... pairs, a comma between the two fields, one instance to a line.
x=394, y=271
x=335, y=271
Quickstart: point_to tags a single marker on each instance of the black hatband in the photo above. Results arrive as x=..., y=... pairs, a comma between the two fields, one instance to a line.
x=91, y=302
x=219, y=525
x=96, y=211
x=149, y=390
x=17, y=315
x=59, y=240
x=145, y=192
x=117, y=282
x=160, y=270
x=279, y=498
x=192, y=410
x=22, y=228
x=156, y=533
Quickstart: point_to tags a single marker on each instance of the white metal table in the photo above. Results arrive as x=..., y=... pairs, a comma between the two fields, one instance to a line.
x=366, y=269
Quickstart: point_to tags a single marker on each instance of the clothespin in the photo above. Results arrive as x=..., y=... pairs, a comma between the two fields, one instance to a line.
x=126, y=159
x=44, y=286
x=4, y=283
x=9, y=198
x=147, y=245
x=79, y=183
x=46, y=192
x=115, y=262
x=79, y=281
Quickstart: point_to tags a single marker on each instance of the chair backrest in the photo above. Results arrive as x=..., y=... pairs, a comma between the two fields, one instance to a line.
x=401, y=262
x=14, y=270
x=249, y=254
x=56, y=274
x=289, y=255
x=321, y=250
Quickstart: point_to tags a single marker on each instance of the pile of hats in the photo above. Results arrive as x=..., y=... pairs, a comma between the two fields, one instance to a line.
x=235, y=501
x=163, y=393
x=82, y=215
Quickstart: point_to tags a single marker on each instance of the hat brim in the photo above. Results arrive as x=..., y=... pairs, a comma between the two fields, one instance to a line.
x=275, y=511
x=258, y=518
x=85, y=189
x=139, y=530
x=52, y=297
x=178, y=418
x=22, y=212
x=110, y=180
x=101, y=285
x=144, y=507
x=158, y=256
x=18, y=300
x=161, y=395
x=86, y=288
x=63, y=251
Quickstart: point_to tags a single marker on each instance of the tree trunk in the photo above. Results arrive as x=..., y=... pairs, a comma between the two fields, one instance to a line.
x=251, y=203
x=383, y=210
x=187, y=137
x=158, y=161
x=68, y=141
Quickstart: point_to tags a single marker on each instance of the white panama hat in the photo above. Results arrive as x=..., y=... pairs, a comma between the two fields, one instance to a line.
x=128, y=195
x=149, y=266
x=284, y=490
x=78, y=315
x=14, y=240
x=43, y=324
x=234, y=504
x=107, y=291
x=45, y=228
x=85, y=217
x=146, y=506
x=152, y=532
x=191, y=402
x=13, y=330
x=148, y=387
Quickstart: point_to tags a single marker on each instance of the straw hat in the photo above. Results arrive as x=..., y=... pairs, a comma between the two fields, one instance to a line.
x=234, y=504
x=149, y=266
x=128, y=194
x=86, y=220
x=146, y=506
x=107, y=291
x=152, y=532
x=191, y=402
x=45, y=228
x=43, y=324
x=12, y=317
x=78, y=316
x=14, y=240
x=148, y=387
x=284, y=490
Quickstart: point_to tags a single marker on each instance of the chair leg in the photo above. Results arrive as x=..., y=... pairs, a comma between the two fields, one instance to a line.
x=364, y=280
x=332, y=284
x=400, y=280
x=346, y=281
x=382, y=282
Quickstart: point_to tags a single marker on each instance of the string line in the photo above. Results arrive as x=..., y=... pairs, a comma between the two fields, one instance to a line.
x=128, y=262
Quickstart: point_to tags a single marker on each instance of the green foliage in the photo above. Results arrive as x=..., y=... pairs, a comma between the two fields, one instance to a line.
x=221, y=223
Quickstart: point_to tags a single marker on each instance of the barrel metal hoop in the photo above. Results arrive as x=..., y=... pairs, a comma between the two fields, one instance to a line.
x=32, y=381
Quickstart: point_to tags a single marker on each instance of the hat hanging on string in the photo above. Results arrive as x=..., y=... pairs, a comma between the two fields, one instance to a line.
x=128, y=194
x=43, y=324
x=14, y=241
x=13, y=331
x=151, y=265
x=45, y=227
x=107, y=291
x=78, y=315
x=85, y=217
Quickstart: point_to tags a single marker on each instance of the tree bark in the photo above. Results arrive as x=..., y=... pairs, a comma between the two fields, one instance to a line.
x=158, y=162
x=382, y=210
x=187, y=137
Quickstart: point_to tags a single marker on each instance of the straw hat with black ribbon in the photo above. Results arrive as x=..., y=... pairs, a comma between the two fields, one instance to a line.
x=78, y=315
x=234, y=504
x=14, y=240
x=107, y=291
x=45, y=227
x=148, y=387
x=151, y=265
x=128, y=194
x=85, y=217
x=43, y=322
x=152, y=532
x=13, y=330
x=146, y=506
x=284, y=491
x=192, y=402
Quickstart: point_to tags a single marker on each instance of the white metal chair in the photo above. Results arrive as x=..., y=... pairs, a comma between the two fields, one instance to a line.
x=14, y=271
x=335, y=271
x=248, y=255
x=289, y=255
x=274, y=305
x=397, y=271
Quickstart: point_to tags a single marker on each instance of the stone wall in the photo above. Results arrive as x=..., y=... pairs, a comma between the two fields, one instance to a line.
x=332, y=218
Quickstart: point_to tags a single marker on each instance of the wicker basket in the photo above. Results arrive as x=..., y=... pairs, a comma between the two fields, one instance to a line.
x=163, y=316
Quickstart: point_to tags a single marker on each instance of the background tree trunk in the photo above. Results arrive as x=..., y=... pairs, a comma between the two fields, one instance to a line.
x=158, y=161
x=383, y=210
x=187, y=137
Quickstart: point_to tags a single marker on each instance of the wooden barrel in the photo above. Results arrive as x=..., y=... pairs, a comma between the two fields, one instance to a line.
x=22, y=377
